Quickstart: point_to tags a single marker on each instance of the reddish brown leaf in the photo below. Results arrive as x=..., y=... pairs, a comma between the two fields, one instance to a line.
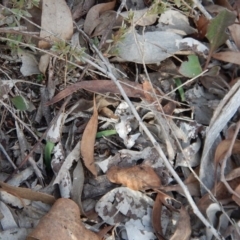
x=183, y=230
x=232, y=57
x=202, y=24
x=156, y=218
x=223, y=147
x=88, y=140
x=27, y=193
x=221, y=194
x=136, y=177
x=234, y=197
x=62, y=223
x=169, y=202
x=132, y=89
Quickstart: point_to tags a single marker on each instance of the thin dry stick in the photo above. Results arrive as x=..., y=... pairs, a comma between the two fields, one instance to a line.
x=154, y=142
x=224, y=161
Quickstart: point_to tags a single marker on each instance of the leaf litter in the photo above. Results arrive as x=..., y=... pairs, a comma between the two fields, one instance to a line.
x=153, y=155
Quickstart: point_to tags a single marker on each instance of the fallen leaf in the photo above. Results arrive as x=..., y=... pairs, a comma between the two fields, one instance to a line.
x=191, y=44
x=43, y=63
x=183, y=230
x=139, y=48
x=175, y=21
x=27, y=193
x=81, y=8
x=130, y=208
x=231, y=57
x=136, y=177
x=223, y=147
x=156, y=218
x=202, y=24
x=88, y=140
x=63, y=223
x=235, y=33
x=221, y=194
x=22, y=104
x=56, y=22
x=216, y=31
x=29, y=63
x=93, y=15
x=234, y=197
x=169, y=201
x=105, y=21
x=132, y=89
x=148, y=92
x=191, y=68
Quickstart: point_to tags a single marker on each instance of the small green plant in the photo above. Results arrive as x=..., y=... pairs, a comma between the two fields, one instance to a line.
x=65, y=49
x=116, y=38
x=19, y=9
x=158, y=7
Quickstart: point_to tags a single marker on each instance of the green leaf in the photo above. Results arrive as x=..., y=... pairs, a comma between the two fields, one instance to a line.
x=106, y=133
x=20, y=103
x=216, y=31
x=191, y=68
x=47, y=153
x=180, y=90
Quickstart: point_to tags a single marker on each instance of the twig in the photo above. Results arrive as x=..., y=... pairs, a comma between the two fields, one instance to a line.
x=7, y=156
x=154, y=142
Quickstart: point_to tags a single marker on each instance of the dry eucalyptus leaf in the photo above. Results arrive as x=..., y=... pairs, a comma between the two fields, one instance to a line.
x=29, y=63
x=63, y=223
x=93, y=15
x=27, y=193
x=223, y=147
x=88, y=140
x=183, y=230
x=156, y=217
x=136, y=177
x=235, y=198
x=56, y=22
x=147, y=48
x=43, y=63
x=175, y=21
x=130, y=208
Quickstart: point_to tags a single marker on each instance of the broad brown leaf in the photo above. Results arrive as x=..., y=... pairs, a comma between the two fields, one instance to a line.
x=93, y=15
x=63, y=223
x=223, y=147
x=232, y=57
x=88, y=140
x=27, y=193
x=132, y=89
x=136, y=177
x=183, y=230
